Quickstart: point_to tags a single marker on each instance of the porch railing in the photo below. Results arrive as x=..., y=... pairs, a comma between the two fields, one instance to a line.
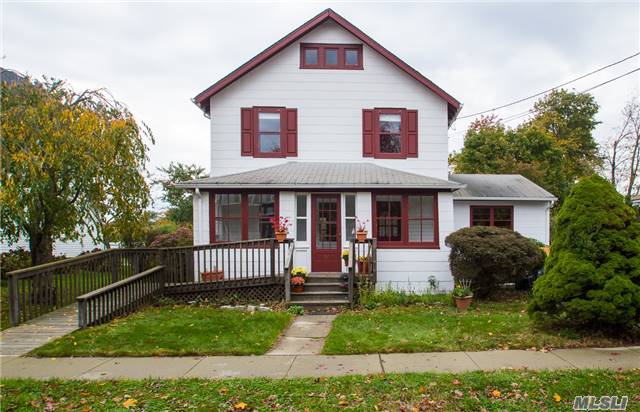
x=41, y=289
x=120, y=298
x=363, y=263
x=287, y=272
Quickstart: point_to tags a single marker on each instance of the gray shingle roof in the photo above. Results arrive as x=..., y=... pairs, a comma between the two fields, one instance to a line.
x=496, y=187
x=319, y=175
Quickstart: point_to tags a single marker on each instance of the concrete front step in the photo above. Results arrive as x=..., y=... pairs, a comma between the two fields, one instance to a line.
x=324, y=287
x=324, y=277
x=321, y=295
x=319, y=303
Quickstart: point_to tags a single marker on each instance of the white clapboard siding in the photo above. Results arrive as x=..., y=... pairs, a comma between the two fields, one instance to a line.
x=329, y=104
x=69, y=248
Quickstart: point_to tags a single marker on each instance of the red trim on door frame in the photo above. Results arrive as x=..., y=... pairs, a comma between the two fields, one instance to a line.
x=202, y=99
x=405, y=244
x=338, y=197
x=491, y=220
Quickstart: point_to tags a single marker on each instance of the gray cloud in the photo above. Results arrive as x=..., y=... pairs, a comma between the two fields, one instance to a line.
x=156, y=56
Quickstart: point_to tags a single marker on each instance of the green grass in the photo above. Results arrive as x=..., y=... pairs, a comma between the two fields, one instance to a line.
x=441, y=328
x=174, y=331
x=518, y=390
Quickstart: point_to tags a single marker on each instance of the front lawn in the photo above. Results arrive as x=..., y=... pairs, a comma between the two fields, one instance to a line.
x=473, y=391
x=174, y=331
x=441, y=328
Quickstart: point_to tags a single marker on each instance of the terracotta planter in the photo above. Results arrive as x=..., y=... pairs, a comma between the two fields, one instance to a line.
x=281, y=236
x=361, y=236
x=463, y=303
x=212, y=276
x=363, y=267
x=297, y=288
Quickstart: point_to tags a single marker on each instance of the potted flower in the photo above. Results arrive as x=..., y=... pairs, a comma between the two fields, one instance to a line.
x=345, y=257
x=299, y=271
x=297, y=284
x=462, y=294
x=361, y=229
x=363, y=264
x=280, y=227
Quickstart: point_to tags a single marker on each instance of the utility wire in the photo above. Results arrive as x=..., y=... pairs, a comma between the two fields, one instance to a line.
x=551, y=89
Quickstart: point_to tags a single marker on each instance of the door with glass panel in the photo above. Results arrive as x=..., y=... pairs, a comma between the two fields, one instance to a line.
x=325, y=233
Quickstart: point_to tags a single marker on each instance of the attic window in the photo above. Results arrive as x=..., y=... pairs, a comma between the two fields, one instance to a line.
x=331, y=56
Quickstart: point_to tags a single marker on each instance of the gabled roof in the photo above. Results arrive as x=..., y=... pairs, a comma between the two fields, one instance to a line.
x=202, y=99
x=321, y=175
x=498, y=187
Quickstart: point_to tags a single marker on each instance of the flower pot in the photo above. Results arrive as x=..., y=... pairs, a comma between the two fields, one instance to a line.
x=212, y=276
x=463, y=303
x=281, y=236
x=361, y=236
x=346, y=260
x=297, y=288
x=363, y=266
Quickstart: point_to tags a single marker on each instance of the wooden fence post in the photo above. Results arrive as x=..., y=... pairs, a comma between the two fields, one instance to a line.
x=82, y=314
x=114, y=265
x=14, y=308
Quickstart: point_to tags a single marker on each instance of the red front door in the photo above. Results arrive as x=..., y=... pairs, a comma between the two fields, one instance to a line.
x=325, y=233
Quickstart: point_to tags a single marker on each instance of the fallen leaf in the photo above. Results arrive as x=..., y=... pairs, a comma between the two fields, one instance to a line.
x=241, y=406
x=495, y=393
x=129, y=403
x=422, y=389
x=556, y=397
x=343, y=403
x=458, y=394
x=456, y=382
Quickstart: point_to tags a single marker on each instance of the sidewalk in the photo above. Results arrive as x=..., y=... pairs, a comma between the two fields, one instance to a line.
x=291, y=366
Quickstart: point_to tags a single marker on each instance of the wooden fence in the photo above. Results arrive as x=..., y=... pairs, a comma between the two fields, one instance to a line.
x=41, y=289
x=120, y=298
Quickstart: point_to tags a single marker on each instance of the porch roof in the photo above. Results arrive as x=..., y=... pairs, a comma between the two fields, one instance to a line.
x=298, y=175
x=499, y=187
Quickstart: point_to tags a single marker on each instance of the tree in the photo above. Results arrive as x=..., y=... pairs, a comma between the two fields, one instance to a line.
x=72, y=163
x=553, y=149
x=622, y=152
x=179, y=200
x=592, y=276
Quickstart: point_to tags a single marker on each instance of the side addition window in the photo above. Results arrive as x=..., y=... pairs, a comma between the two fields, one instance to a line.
x=269, y=132
x=500, y=216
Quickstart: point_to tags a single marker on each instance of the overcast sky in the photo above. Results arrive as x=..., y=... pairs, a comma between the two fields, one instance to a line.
x=156, y=56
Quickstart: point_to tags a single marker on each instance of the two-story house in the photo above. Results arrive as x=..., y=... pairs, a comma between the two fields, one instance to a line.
x=326, y=126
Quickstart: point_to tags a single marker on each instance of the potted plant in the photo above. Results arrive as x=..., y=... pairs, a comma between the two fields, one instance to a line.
x=361, y=229
x=363, y=264
x=299, y=271
x=462, y=294
x=212, y=275
x=280, y=227
x=297, y=284
x=345, y=257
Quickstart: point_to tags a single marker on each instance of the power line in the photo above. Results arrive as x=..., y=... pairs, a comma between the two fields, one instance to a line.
x=551, y=89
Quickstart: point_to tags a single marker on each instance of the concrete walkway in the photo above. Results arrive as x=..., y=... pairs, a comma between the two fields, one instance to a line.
x=290, y=366
x=305, y=336
x=22, y=339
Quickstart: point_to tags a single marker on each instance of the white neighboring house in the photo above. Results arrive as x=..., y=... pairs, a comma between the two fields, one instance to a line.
x=68, y=248
x=326, y=125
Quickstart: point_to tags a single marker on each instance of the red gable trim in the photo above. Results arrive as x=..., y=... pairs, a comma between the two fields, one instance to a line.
x=202, y=99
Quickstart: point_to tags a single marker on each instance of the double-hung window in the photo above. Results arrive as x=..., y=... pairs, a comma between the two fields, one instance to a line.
x=269, y=132
x=350, y=216
x=405, y=220
x=389, y=133
x=500, y=216
x=242, y=216
x=301, y=217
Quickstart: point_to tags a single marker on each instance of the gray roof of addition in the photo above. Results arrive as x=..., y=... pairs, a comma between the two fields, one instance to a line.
x=297, y=175
x=498, y=187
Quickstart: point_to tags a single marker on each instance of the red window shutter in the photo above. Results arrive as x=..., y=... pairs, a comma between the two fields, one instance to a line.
x=412, y=133
x=246, y=131
x=291, y=132
x=367, y=132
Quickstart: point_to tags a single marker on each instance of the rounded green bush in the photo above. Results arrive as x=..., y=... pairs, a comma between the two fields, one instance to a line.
x=592, y=276
x=490, y=256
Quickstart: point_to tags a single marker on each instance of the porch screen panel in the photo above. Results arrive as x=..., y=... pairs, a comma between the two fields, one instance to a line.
x=261, y=209
x=389, y=218
x=228, y=216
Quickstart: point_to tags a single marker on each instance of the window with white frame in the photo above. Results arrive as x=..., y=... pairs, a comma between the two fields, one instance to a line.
x=350, y=216
x=301, y=217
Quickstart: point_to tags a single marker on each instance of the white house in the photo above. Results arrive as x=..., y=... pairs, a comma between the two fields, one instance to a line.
x=327, y=125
